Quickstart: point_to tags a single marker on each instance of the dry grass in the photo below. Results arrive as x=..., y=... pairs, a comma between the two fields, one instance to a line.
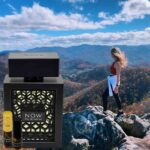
x=138, y=108
x=3, y=148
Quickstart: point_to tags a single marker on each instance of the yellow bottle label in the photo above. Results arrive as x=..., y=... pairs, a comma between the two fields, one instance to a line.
x=7, y=121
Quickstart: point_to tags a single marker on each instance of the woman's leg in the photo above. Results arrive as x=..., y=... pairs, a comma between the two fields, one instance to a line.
x=117, y=99
x=104, y=98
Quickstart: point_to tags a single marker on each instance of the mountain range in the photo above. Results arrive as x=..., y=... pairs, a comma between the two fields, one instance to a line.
x=96, y=54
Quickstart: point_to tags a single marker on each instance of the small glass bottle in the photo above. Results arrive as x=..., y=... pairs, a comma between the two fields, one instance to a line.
x=16, y=134
x=7, y=128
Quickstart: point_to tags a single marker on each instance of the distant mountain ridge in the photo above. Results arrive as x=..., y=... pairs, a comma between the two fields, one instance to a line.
x=99, y=54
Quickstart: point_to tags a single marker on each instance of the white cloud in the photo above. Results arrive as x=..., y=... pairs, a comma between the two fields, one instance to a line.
x=40, y=18
x=147, y=29
x=77, y=1
x=131, y=9
x=24, y=40
x=102, y=15
x=78, y=7
x=134, y=9
x=12, y=8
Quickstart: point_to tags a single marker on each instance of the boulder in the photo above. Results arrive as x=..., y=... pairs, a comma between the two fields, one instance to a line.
x=91, y=129
x=146, y=117
x=133, y=125
x=133, y=143
x=78, y=144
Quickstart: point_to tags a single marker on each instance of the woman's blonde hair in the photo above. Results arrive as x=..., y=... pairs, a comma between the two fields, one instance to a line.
x=120, y=56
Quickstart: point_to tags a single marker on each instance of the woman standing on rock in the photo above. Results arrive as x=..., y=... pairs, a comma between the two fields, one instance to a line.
x=113, y=79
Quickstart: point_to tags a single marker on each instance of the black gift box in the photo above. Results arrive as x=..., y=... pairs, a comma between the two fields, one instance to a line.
x=33, y=91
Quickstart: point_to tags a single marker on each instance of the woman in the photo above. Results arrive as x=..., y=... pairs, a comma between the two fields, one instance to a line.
x=114, y=79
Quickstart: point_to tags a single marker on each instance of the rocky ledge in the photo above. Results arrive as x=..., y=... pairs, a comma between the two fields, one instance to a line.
x=90, y=129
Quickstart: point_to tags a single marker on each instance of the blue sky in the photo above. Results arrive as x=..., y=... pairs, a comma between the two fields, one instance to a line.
x=27, y=24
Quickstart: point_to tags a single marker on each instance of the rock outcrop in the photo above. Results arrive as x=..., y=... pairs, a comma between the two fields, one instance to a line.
x=90, y=129
x=134, y=125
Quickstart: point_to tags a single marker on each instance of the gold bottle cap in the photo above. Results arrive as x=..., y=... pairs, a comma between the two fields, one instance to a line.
x=7, y=121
